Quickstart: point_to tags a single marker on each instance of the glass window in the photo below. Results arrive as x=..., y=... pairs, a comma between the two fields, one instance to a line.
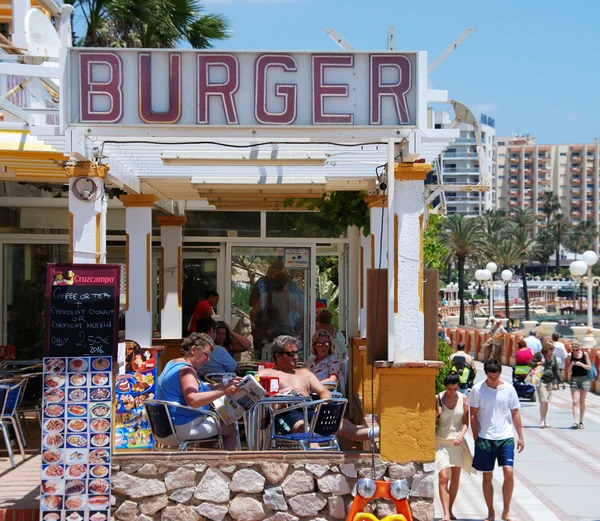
x=220, y=224
x=25, y=279
x=298, y=224
x=270, y=288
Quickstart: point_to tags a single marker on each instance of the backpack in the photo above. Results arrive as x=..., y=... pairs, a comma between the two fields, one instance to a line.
x=459, y=364
x=593, y=373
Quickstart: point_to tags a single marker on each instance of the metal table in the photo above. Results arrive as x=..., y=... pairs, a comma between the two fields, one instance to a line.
x=257, y=438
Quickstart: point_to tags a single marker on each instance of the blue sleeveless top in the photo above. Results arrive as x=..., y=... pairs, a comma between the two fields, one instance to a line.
x=169, y=389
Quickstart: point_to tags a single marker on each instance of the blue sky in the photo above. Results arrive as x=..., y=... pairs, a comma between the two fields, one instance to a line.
x=532, y=65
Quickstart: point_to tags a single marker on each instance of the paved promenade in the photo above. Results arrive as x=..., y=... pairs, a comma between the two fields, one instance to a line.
x=557, y=477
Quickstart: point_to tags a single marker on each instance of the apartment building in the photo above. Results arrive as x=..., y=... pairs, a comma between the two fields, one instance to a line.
x=525, y=169
x=459, y=165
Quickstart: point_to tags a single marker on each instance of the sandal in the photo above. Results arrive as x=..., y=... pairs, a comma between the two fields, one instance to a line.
x=581, y=425
x=574, y=426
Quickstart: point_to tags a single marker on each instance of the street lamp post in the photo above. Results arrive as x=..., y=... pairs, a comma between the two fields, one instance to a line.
x=507, y=276
x=484, y=277
x=579, y=269
x=491, y=267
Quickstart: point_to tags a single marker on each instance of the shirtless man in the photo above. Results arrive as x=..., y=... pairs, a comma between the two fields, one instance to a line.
x=303, y=381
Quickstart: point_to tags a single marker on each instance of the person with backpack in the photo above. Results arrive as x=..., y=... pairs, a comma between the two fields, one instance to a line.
x=577, y=369
x=550, y=371
x=464, y=366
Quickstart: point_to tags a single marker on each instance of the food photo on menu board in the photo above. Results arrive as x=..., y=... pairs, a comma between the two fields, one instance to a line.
x=76, y=432
x=138, y=384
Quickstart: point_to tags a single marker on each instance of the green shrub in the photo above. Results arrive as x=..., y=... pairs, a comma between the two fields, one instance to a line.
x=444, y=352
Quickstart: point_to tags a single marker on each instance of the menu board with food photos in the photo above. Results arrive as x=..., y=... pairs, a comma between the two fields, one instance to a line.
x=82, y=311
x=76, y=435
x=138, y=384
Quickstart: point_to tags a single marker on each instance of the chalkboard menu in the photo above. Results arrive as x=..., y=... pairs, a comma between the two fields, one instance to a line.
x=82, y=309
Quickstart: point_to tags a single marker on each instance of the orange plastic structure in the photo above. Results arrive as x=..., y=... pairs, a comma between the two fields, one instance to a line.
x=356, y=512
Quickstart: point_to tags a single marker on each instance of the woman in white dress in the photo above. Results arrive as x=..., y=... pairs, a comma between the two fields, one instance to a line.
x=452, y=452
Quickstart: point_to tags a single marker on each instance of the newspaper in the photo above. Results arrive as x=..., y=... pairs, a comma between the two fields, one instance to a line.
x=231, y=408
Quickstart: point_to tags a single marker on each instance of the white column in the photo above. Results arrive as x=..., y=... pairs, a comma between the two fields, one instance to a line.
x=138, y=227
x=19, y=10
x=87, y=213
x=171, y=242
x=408, y=250
x=377, y=210
x=353, y=281
x=364, y=261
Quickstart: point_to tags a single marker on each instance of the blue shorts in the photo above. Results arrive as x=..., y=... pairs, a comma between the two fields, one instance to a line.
x=487, y=451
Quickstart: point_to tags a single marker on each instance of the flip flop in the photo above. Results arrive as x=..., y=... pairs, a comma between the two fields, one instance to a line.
x=574, y=426
x=581, y=426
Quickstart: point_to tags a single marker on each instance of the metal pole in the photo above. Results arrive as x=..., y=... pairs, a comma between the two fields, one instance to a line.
x=491, y=286
x=590, y=289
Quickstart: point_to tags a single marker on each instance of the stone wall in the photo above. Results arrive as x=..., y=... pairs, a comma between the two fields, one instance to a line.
x=275, y=486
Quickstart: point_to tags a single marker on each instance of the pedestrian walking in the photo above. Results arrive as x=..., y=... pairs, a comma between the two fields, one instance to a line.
x=452, y=454
x=494, y=411
x=577, y=366
x=550, y=372
x=561, y=354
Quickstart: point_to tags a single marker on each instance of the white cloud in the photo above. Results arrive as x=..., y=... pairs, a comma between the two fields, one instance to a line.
x=571, y=116
x=555, y=112
x=485, y=107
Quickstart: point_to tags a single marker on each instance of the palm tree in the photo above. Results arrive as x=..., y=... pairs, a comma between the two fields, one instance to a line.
x=464, y=240
x=521, y=237
x=582, y=237
x=149, y=23
x=560, y=227
x=522, y=243
x=543, y=248
x=508, y=257
x=550, y=205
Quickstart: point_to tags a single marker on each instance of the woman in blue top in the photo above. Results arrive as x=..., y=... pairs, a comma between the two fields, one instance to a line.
x=179, y=383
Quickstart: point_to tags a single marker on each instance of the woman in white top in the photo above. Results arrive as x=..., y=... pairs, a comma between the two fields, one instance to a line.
x=323, y=364
x=452, y=453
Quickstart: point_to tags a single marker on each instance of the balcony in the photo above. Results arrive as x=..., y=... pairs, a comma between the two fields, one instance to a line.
x=591, y=171
x=575, y=191
x=514, y=182
x=575, y=180
x=513, y=204
x=576, y=148
x=575, y=159
x=576, y=169
x=527, y=170
x=464, y=155
x=545, y=182
x=514, y=159
x=528, y=160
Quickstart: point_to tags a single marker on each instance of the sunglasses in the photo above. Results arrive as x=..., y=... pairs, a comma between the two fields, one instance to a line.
x=322, y=344
x=290, y=353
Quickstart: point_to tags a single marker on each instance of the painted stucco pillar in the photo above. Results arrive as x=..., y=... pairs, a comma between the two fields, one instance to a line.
x=138, y=253
x=171, y=242
x=408, y=205
x=87, y=220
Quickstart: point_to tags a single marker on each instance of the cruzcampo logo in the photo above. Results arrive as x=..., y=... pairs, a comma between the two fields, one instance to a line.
x=61, y=280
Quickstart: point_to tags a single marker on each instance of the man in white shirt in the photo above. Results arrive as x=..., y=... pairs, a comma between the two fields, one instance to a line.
x=560, y=352
x=494, y=410
x=533, y=342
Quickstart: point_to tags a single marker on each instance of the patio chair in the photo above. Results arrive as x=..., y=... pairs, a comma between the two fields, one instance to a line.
x=31, y=398
x=9, y=397
x=322, y=429
x=164, y=431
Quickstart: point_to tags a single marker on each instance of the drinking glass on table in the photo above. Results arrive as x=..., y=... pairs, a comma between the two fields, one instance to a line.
x=227, y=377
